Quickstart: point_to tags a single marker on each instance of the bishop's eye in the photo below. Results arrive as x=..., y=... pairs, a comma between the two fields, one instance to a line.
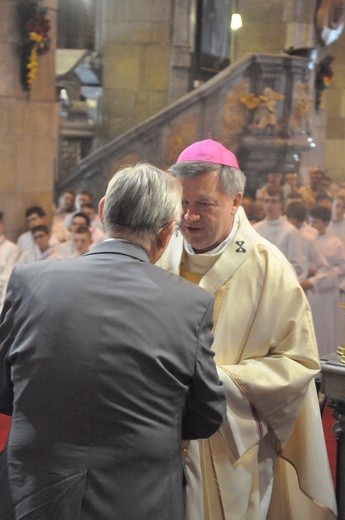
x=203, y=205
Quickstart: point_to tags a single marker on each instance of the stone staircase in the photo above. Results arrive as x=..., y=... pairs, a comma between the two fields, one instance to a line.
x=260, y=107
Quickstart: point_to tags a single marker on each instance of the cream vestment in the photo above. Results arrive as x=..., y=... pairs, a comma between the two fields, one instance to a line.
x=266, y=354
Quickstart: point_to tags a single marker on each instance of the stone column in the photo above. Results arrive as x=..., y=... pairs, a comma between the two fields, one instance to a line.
x=29, y=125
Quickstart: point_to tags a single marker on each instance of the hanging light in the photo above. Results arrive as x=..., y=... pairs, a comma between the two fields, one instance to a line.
x=236, y=21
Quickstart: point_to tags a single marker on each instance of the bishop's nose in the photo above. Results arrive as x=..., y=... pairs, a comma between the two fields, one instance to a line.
x=191, y=216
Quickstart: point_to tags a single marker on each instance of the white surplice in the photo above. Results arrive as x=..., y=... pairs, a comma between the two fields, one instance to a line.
x=267, y=358
x=286, y=237
x=327, y=315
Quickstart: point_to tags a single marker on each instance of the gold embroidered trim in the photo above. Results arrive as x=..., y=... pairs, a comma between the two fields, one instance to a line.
x=203, y=474
x=240, y=387
x=216, y=479
x=319, y=504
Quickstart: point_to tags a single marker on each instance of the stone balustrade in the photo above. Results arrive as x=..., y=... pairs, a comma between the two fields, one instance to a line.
x=260, y=107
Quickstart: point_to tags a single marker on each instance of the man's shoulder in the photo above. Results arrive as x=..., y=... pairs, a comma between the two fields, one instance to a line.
x=259, y=224
x=290, y=229
x=24, y=236
x=334, y=239
x=178, y=284
x=28, y=264
x=306, y=229
x=25, y=241
x=337, y=226
x=285, y=223
x=65, y=248
x=307, y=237
x=9, y=245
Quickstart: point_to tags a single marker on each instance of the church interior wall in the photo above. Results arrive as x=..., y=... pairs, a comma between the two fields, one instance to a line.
x=29, y=125
x=147, y=50
x=136, y=51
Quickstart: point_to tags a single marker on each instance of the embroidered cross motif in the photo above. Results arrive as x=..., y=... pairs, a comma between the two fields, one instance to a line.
x=240, y=249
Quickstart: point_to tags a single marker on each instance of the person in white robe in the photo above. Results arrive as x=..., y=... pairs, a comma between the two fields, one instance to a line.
x=35, y=216
x=64, y=209
x=319, y=281
x=89, y=209
x=333, y=249
x=336, y=225
x=9, y=253
x=82, y=241
x=316, y=267
x=278, y=230
x=272, y=179
x=309, y=191
x=82, y=197
x=43, y=251
x=67, y=249
x=291, y=184
x=267, y=459
x=307, y=229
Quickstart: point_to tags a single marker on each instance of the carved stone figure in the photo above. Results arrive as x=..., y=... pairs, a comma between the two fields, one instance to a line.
x=302, y=111
x=264, y=117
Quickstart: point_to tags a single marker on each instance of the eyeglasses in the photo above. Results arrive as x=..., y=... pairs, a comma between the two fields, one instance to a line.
x=177, y=227
x=42, y=235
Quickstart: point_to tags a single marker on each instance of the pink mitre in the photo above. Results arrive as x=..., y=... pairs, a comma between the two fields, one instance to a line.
x=208, y=151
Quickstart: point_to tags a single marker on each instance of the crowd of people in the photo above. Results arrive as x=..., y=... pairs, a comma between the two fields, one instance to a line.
x=306, y=222
x=120, y=349
x=74, y=229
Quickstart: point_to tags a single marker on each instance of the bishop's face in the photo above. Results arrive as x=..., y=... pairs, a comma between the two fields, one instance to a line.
x=207, y=211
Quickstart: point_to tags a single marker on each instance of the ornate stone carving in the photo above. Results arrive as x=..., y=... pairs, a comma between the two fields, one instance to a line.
x=300, y=121
x=235, y=115
x=264, y=106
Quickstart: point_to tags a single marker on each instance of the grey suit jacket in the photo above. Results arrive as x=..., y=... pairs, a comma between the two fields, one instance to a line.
x=105, y=365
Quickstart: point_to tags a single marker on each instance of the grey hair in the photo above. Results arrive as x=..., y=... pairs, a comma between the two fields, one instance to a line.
x=232, y=179
x=140, y=200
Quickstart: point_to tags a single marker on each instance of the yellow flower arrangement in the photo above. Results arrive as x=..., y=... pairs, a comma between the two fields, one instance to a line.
x=34, y=29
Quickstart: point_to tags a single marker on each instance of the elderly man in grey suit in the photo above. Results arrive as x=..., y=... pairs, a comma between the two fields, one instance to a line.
x=105, y=366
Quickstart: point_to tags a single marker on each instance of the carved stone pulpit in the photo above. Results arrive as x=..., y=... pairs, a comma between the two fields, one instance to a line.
x=333, y=386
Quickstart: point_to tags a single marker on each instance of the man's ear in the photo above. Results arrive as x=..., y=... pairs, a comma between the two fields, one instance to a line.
x=164, y=235
x=160, y=243
x=236, y=202
x=101, y=209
